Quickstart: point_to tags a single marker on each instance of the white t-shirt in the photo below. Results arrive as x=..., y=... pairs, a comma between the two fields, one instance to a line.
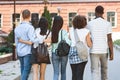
x=99, y=28
x=40, y=37
x=82, y=33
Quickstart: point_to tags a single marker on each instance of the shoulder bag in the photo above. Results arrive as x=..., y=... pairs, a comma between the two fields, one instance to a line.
x=63, y=47
x=42, y=53
x=81, y=48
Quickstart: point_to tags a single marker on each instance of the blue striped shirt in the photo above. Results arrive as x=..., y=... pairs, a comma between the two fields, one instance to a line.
x=26, y=32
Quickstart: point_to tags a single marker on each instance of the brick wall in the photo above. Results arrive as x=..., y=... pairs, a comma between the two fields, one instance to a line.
x=82, y=8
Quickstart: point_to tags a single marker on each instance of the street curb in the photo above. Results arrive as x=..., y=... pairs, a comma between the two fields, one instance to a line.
x=5, y=58
x=17, y=78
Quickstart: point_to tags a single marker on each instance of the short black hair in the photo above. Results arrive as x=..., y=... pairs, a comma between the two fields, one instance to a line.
x=99, y=9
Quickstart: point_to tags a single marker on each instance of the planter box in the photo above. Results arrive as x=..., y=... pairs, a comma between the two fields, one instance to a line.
x=5, y=58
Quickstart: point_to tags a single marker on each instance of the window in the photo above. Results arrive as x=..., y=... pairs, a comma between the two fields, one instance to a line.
x=0, y=20
x=71, y=15
x=91, y=16
x=53, y=15
x=35, y=19
x=17, y=16
x=111, y=18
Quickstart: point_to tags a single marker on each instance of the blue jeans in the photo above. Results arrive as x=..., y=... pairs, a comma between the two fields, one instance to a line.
x=59, y=63
x=25, y=64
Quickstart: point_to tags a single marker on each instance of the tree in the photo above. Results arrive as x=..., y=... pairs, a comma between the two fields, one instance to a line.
x=47, y=15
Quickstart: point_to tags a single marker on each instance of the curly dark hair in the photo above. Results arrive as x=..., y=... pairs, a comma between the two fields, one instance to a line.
x=43, y=25
x=79, y=22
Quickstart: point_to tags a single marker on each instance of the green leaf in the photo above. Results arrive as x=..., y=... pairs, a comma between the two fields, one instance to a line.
x=1, y=71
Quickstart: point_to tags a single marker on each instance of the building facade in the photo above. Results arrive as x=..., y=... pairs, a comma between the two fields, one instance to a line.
x=66, y=8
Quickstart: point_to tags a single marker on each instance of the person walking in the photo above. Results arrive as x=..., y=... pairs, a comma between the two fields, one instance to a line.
x=77, y=65
x=40, y=33
x=24, y=31
x=101, y=31
x=59, y=63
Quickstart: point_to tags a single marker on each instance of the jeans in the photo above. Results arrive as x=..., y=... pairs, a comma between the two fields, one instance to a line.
x=59, y=63
x=78, y=70
x=99, y=67
x=25, y=64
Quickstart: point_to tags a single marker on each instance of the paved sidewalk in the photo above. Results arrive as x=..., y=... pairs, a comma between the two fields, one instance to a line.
x=49, y=73
x=113, y=69
x=10, y=70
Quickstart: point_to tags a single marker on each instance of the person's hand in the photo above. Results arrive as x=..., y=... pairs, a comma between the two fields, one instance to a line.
x=20, y=40
x=111, y=56
x=48, y=40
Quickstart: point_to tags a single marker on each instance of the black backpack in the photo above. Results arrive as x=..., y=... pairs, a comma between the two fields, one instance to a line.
x=63, y=48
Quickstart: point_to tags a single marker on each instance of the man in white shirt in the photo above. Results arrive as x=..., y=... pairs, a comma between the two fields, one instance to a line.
x=101, y=31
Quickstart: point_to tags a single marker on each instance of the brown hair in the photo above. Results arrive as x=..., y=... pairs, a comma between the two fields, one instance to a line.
x=26, y=14
x=79, y=22
x=57, y=25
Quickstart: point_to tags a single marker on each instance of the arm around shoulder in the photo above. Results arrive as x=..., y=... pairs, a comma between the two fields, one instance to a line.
x=25, y=42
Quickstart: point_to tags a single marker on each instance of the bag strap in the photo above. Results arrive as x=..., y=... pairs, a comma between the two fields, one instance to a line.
x=61, y=34
x=47, y=34
x=76, y=36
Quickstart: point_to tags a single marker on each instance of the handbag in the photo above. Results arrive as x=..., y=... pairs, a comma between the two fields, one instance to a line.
x=81, y=48
x=63, y=47
x=42, y=53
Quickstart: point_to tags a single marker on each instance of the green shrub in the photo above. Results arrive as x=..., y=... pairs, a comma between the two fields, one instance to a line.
x=117, y=42
x=1, y=71
x=5, y=49
x=10, y=37
x=9, y=44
